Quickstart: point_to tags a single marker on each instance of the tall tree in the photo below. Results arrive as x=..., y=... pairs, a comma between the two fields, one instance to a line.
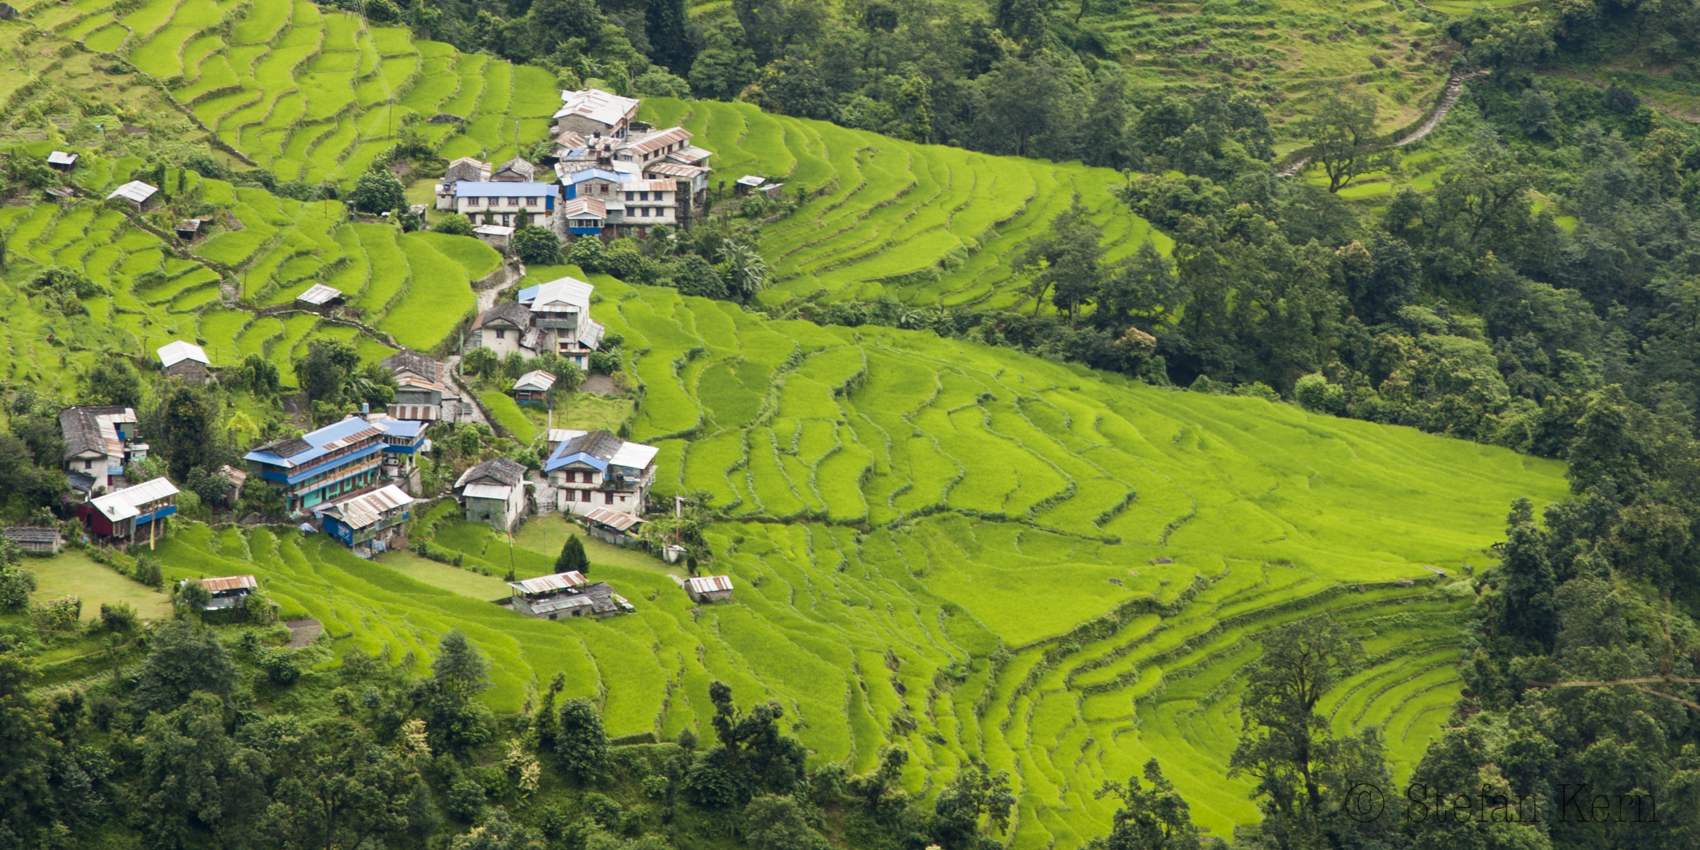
x=114, y=381
x=580, y=740
x=1066, y=263
x=572, y=556
x=1154, y=818
x=183, y=658
x=188, y=430
x=1343, y=139
x=668, y=28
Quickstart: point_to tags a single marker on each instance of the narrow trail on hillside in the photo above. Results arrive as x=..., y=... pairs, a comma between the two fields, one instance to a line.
x=1454, y=89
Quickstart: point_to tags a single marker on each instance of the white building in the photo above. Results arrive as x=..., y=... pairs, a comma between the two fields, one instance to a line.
x=592, y=112
x=184, y=360
x=494, y=492
x=553, y=316
x=501, y=203
x=596, y=469
x=533, y=387
x=99, y=443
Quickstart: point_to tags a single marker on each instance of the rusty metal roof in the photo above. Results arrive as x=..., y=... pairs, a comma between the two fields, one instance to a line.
x=550, y=583
x=709, y=584
x=617, y=520
x=224, y=583
x=365, y=509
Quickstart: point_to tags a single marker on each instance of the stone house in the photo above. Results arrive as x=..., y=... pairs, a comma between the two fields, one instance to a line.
x=493, y=492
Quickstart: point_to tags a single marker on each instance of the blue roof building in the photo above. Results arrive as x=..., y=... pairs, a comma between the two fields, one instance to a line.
x=337, y=459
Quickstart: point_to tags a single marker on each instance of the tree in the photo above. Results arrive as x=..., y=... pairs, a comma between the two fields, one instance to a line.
x=668, y=28
x=697, y=277
x=580, y=740
x=773, y=822
x=326, y=369
x=976, y=792
x=1026, y=21
x=453, y=224
x=1343, y=140
x=744, y=270
x=460, y=671
x=378, y=191
x=188, y=430
x=114, y=381
x=1303, y=771
x=183, y=658
x=258, y=374
x=16, y=585
x=1154, y=818
x=481, y=361
x=1105, y=137
x=724, y=67
x=195, y=778
x=1066, y=260
x=536, y=246
x=336, y=787
x=572, y=556
x=499, y=832
x=453, y=718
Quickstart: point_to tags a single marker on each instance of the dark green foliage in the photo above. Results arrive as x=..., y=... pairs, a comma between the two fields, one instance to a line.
x=536, y=246
x=465, y=801
x=777, y=823
x=188, y=432
x=724, y=67
x=580, y=741
x=183, y=658
x=64, y=288
x=1343, y=139
x=975, y=793
x=456, y=721
x=453, y=224
x=119, y=616
x=605, y=362
x=378, y=191
x=258, y=375
x=147, y=571
x=1154, y=818
x=114, y=381
x=696, y=277
x=572, y=556
x=16, y=585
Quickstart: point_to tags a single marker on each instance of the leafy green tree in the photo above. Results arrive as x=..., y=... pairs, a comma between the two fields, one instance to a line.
x=773, y=822
x=536, y=246
x=743, y=270
x=453, y=224
x=378, y=191
x=581, y=742
x=197, y=782
x=16, y=585
x=1026, y=21
x=499, y=833
x=188, y=430
x=1343, y=138
x=669, y=31
x=336, y=786
x=481, y=361
x=913, y=111
x=1154, y=818
x=572, y=556
x=454, y=718
x=695, y=276
x=976, y=792
x=724, y=67
x=325, y=371
x=1065, y=263
x=183, y=658
x=1106, y=137
x=258, y=375
x=114, y=381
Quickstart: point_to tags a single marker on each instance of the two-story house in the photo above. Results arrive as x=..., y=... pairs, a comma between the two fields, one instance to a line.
x=336, y=460
x=654, y=146
x=647, y=203
x=421, y=393
x=505, y=329
x=99, y=442
x=367, y=523
x=501, y=203
x=493, y=492
x=560, y=311
x=132, y=514
x=596, y=469
x=594, y=111
x=465, y=169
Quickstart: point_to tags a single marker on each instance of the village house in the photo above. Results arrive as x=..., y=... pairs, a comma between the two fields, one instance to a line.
x=515, y=170
x=553, y=316
x=188, y=229
x=368, y=523
x=421, y=392
x=654, y=146
x=585, y=216
x=62, y=160
x=465, y=169
x=338, y=459
x=404, y=439
x=591, y=112
x=708, y=588
x=691, y=181
x=227, y=592
x=41, y=541
x=494, y=235
x=647, y=203
x=137, y=194
x=533, y=387
x=237, y=478
x=494, y=492
x=502, y=203
x=184, y=360
x=597, y=469
x=130, y=513
x=611, y=526
x=99, y=443
x=568, y=594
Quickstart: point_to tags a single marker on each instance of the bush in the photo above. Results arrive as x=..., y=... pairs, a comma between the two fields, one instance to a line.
x=1314, y=393
x=378, y=191
x=280, y=666
x=454, y=224
x=465, y=801
x=536, y=246
x=16, y=585
x=147, y=572
x=60, y=615
x=118, y=616
x=606, y=362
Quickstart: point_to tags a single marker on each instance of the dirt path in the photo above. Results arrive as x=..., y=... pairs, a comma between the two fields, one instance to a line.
x=303, y=632
x=1454, y=89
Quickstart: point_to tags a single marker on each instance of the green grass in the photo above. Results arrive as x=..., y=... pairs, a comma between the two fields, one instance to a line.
x=507, y=414
x=438, y=296
x=72, y=573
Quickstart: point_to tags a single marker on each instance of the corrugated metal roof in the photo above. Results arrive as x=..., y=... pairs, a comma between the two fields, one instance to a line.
x=315, y=444
x=653, y=142
x=574, y=176
x=504, y=190
x=751, y=180
x=94, y=429
x=124, y=503
x=417, y=412
x=675, y=169
x=550, y=583
x=488, y=491
x=174, y=353
x=602, y=107
x=223, y=583
x=233, y=475
x=365, y=509
x=590, y=333
x=319, y=295
x=709, y=584
x=536, y=380
x=561, y=603
x=634, y=455
x=561, y=435
x=134, y=191
x=562, y=290
x=617, y=520
x=493, y=230
x=31, y=534
x=651, y=186
x=691, y=155
x=584, y=208
x=61, y=158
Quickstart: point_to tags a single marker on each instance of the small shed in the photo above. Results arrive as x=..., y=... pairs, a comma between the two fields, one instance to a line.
x=184, y=360
x=46, y=541
x=747, y=184
x=188, y=229
x=533, y=387
x=319, y=297
x=62, y=160
x=611, y=526
x=137, y=194
x=227, y=591
x=495, y=235
x=772, y=191
x=237, y=478
x=63, y=194
x=708, y=588
x=552, y=596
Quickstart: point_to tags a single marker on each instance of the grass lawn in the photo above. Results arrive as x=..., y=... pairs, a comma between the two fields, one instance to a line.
x=508, y=414
x=72, y=573
x=464, y=582
x=583, y=412
x=547, y=534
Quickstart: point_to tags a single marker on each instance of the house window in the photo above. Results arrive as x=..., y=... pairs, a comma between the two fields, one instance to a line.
x=584, y=495
x=88, y=464
x=608, y=498
x=501, y=334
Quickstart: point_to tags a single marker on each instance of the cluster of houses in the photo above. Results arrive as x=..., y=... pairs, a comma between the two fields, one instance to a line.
x=612, y=176
x=553, y=316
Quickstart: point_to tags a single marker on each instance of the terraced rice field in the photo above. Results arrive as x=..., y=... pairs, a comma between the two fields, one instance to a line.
x=995, y=557
x=266, y=250
x=277, y=87
x=927, y=224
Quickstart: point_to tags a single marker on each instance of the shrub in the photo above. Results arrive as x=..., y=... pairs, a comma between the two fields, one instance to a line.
x=147, y=572
x=16, y=585
x=453, y=224
x=60, y=615
x=378, y=191
x=536, y=246
x=280, y=666
x=465, y=801
x=118, y=616
x=606, y=362
x=1314, y=393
